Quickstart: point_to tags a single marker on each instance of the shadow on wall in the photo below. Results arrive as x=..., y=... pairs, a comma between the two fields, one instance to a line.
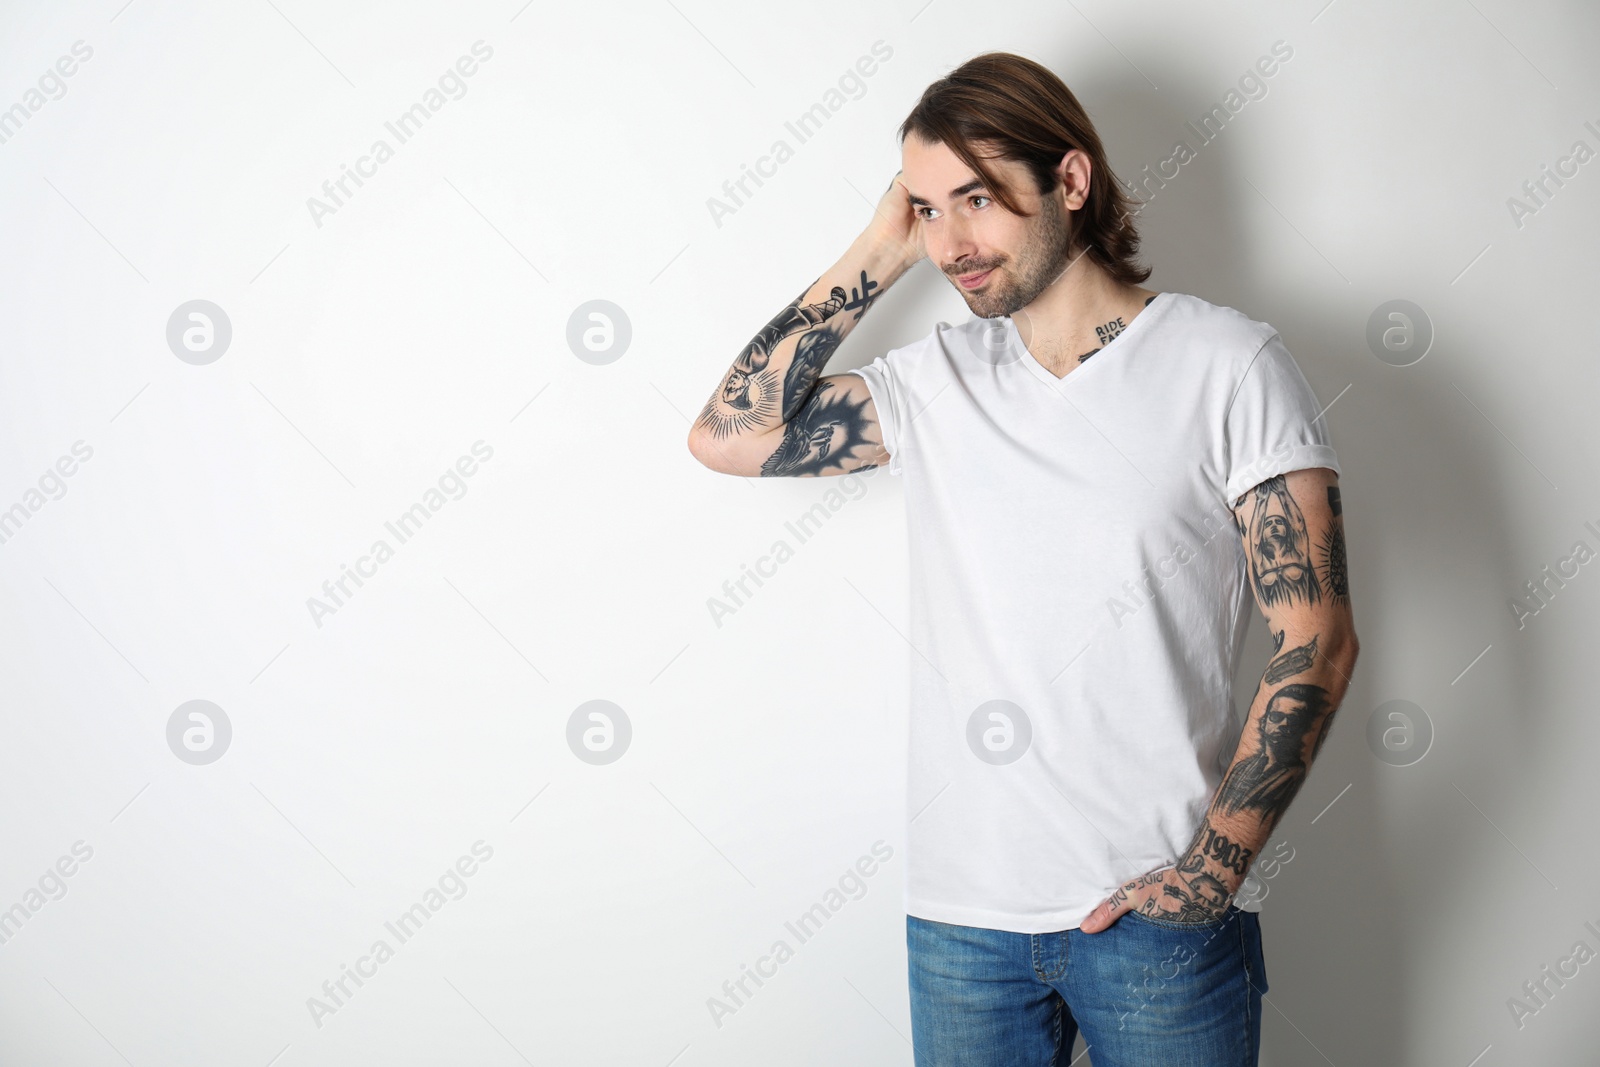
x=1347, y=934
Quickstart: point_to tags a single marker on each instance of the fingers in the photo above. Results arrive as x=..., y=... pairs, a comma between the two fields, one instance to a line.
x=1127, y=897
x=1103, y=916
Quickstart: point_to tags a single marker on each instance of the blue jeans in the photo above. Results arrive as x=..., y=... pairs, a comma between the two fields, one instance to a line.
x=1145, y=992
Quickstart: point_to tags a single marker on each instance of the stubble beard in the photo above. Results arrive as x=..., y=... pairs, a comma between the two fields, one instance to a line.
x=1041, y=262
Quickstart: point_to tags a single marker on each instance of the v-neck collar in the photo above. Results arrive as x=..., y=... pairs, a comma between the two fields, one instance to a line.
x=1014, y=338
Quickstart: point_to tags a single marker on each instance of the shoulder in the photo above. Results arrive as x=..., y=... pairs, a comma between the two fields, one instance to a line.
x=945, y=349
x=1223, y=332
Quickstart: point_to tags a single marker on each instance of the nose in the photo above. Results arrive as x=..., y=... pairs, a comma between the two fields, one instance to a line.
x=954, y=244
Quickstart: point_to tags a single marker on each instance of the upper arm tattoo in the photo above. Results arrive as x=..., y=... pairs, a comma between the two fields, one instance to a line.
x=1278, y=546
x=1335, y=569
x=1289, y=567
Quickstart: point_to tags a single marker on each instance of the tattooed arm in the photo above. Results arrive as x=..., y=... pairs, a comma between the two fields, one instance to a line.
x=774, y=414
x=1292, y=527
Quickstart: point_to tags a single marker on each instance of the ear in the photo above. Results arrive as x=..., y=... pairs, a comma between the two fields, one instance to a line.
x=1073, y=172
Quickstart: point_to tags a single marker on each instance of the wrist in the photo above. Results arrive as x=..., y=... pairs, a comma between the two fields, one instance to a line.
x=1207, y=877
x=888, y=253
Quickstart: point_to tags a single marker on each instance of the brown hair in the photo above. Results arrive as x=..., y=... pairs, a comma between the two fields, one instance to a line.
x=1025, y=113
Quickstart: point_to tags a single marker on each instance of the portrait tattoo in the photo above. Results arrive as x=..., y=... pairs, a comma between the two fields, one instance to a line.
x=747, y=390
x=1279, y=547
x=1267, y=780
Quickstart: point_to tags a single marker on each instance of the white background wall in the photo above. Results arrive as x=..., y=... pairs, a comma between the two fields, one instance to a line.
x=429, y=711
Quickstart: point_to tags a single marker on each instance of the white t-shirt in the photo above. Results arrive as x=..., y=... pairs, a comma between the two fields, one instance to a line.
x=1079, y=596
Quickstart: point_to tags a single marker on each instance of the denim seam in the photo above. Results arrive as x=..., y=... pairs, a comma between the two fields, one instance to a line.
x=1039, y=952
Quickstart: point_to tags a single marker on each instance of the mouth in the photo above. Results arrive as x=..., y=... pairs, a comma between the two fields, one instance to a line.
x=974, y=281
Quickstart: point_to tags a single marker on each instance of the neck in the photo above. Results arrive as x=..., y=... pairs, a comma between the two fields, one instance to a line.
x=1078, y=313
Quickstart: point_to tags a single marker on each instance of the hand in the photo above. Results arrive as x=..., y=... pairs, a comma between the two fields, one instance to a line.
x=894, y=222
x=1164, y=894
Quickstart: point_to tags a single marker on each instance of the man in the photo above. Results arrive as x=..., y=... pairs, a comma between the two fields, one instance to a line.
x=1093, y=472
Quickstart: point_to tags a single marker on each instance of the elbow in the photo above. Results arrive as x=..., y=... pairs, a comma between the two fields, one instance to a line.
x=700, y=448
x=1343, y=649
x=707, y=454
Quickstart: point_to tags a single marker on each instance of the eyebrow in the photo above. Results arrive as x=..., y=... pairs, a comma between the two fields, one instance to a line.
x=962, y=190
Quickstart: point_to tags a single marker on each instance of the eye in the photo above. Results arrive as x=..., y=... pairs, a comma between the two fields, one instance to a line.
x=976, y=196
x=919, y=212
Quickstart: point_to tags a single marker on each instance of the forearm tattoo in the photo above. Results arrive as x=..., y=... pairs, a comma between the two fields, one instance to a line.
x=1265, y=781
x=811, y=354
x=1205, y=870
x=1209, y=844
x=1293, y=662
x=748, y=399
x=1261, y=784
x=1294, y=723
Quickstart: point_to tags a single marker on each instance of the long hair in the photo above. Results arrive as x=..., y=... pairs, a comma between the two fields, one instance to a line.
x=1018, y=110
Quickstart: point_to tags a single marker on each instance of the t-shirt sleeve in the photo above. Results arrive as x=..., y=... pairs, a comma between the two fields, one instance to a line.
x=1272, y=426
x=888, y=398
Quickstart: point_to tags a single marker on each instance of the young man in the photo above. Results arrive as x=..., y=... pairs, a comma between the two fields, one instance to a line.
x=1094, y=474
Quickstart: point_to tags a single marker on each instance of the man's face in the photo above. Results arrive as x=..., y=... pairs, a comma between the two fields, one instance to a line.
x=1282, y=725
x=737, y=386
x=967, y=233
